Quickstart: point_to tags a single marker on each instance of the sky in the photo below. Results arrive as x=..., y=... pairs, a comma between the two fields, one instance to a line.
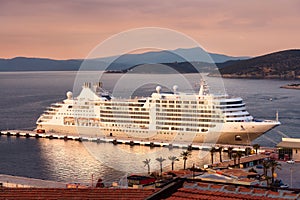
x=71, y=29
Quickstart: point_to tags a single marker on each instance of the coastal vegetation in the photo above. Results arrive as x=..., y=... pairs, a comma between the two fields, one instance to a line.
x=160, y=160
x=256, y=147
x=147, y=163
x=173, y=159
x=185, y=155
x=212, y=152
x=279, y=65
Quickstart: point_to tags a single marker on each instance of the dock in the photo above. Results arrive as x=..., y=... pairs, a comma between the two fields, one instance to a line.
x=116, y=141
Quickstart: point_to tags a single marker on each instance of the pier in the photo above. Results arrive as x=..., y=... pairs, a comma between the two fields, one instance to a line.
x=116, y=141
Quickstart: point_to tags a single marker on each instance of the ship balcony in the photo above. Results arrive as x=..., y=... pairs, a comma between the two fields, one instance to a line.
x=46, y=116
x=240, y=119
x=226, y=110
x=230, y=105
x=52, y=108
x=48, y=113
x=236, y=114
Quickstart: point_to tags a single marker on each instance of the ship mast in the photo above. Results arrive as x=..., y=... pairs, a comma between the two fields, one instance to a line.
x=203, y=88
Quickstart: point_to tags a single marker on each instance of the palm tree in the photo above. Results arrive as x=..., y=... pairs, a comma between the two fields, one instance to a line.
x=239, y=155
x=147, y=163
x=274, y=165
x=173, y=159
x=247, y=151
x=160, y=160
x=256, y=147
x=185, y=155
x=266, y=165
x=234, y=158
x=212, y=152
x=220, y=153
x=230, y=149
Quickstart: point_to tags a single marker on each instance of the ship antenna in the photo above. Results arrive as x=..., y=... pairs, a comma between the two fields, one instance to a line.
x=201, y=90
x=277, y=116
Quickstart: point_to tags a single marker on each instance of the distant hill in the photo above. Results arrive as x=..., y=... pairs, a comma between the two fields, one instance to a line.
x=118, y=62
x=167, y=68
x=38, y=64
x=282, y=64
x=172, y=56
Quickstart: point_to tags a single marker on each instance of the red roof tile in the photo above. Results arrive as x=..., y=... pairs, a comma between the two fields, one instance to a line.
x=96, y=193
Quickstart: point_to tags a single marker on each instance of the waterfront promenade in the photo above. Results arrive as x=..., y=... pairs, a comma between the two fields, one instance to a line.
x=17, y=181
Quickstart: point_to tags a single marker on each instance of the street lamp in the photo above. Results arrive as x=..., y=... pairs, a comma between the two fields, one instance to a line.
x=291, y=184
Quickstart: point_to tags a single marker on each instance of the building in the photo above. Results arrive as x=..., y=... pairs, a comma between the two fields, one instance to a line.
x=289, y=148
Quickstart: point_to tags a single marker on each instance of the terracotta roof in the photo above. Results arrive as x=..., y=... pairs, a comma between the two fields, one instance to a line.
x=242, y=160
x=219, y=191
x=237, y=172
x=95, y=193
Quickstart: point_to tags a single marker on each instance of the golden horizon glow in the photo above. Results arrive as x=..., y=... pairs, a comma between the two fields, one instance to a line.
x=71, y=29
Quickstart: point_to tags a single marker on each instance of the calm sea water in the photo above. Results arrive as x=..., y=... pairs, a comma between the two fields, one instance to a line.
x=25, y=95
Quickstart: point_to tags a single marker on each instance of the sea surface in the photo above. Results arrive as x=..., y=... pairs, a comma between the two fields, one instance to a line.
x=25, y=95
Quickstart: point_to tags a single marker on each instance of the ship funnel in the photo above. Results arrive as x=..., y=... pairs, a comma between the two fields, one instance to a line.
x=69, y=95
x=87, y=85
x=158, y=88
x=175, y=88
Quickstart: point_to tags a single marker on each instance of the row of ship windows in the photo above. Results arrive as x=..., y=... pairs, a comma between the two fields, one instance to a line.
x=125, y=130
x=187, y=116
x=185, y=124
x=225, y=111
x=125, y=112
x=122, y=108
x=236, y=120
x=178, y=129
x=226, y=107
x=184, y=115
x=119, y=104
x=125, y=121
x=177, y=106
x=125, y=116
x=186, y=111
x=233, y=116
x=75, y=114
x=194, y=102
x=77, y=111
x=178, y=102
x=191, y=120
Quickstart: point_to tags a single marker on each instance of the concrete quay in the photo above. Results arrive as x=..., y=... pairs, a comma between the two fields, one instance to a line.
x=24, y=182
x=116, y=141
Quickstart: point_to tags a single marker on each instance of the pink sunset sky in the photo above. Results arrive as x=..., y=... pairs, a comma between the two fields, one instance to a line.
x=71, y=29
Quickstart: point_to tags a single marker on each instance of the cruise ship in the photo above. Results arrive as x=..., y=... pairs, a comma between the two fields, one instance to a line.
x=162, y=117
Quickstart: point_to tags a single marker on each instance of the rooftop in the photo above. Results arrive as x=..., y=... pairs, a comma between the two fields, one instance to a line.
x=219, y=191
x=246, y=159
x=289, y=143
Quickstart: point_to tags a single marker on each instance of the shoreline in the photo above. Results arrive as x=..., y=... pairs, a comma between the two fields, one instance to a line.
x=291, y=86
x=235, y=76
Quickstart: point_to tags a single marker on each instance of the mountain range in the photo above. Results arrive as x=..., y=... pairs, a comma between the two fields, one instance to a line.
x=122, y=62
x=282, y=64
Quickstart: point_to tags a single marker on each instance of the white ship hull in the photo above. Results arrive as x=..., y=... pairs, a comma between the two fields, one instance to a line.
x=239, y=136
